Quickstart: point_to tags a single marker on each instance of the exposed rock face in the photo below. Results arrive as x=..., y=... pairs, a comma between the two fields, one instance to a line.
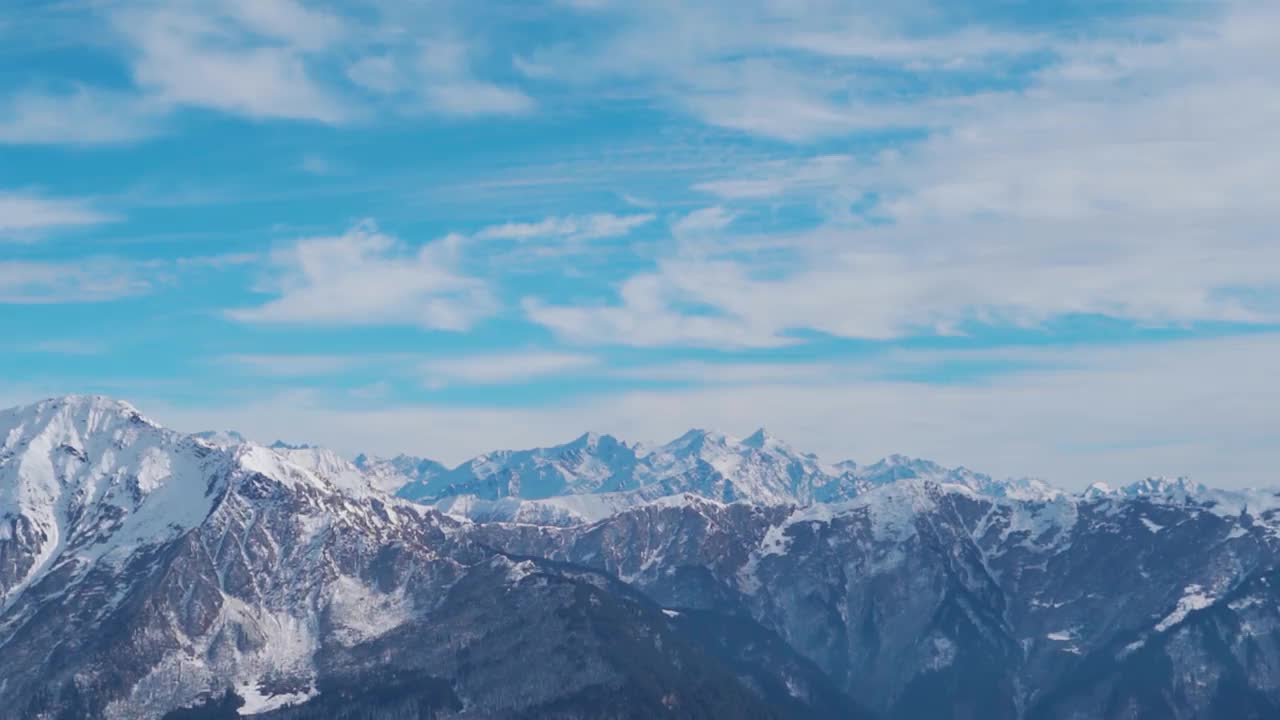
x=147, y=571
x=928, y=600
x=150, y=574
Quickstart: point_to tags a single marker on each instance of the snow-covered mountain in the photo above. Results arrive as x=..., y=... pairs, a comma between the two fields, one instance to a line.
x=759, y=468
x=597, y=475
x=145, y=572
x=589, y=464
x=924, y=599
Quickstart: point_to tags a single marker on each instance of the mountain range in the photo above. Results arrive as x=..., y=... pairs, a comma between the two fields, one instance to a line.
x=147, y=573
x=595, y=475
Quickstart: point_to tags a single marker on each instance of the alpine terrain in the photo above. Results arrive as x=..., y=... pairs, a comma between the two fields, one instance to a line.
x=148, y=573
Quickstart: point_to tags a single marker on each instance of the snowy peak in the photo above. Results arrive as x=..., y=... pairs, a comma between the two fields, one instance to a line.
x=759, y=439
x=72, y=416
x=760, y=468
x=304, y=465
x=1173, y=488
x=1178, y=490
x=391, y=475
x=900, y=467
x=696, y=441
x=50, y=449
x=590, y=463
x=86, y=477
x=593, y=442
x=221, y=438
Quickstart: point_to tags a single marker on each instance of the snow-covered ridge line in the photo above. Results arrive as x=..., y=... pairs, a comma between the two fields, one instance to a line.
x=595, y=476
x=86, y=480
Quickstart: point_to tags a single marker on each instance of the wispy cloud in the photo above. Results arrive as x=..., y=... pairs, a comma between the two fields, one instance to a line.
x=1073, y=196
x=84, y=116
x=503, y=368
x=22, y=214
x=365, y=277
x=217, y=262
x=708, y=219
x=570, y=227
x=793, y=72
x=436, y=75
x=703, y=373
x=188, y=56
x=293, y=365
x=88, y=280
x=452, y=88
x=247, y=58
x=64, y=347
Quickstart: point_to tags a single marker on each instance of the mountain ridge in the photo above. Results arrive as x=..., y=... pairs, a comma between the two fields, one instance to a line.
x=148, y=572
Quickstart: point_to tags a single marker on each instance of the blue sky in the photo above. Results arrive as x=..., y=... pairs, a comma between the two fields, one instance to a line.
x=1032, y=238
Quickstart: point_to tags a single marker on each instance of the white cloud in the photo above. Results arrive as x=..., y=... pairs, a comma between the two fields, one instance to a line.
x=377, y=73
x=217, y=262
x=503, y=368
x=294, y=365
x=437, y=76
x=473, y=97
x=365, y=277
x=186, y=55
x=1073, y=196
x=289, y=21
x=452, y=88
x=271, y=59
x=703, y=220
x=790, y=71
x=651, y=313
x=86, y=280
x=805, y=177
x=571, y=227
x=24, y=213
x=84, y=116
x=735, y=373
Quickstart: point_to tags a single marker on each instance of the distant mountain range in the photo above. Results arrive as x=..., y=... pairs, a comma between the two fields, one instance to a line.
x=550, y=483
x=146, y=573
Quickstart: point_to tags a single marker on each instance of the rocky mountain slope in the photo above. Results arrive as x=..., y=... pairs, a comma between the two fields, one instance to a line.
x=151, y=574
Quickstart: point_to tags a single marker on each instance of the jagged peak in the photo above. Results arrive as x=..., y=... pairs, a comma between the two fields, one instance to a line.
x=586, y=439
x=87, y=410
x=846, y=467
x=221, y=438
x=697, y=438
x=593, y=440
x=759, y=439
x=1160, y=485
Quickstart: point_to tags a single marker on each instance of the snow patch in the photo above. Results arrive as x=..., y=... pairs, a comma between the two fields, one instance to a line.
x=255, y=702
x=1194, y=598
x=361, y=613
x=942, y=652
